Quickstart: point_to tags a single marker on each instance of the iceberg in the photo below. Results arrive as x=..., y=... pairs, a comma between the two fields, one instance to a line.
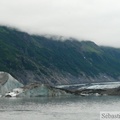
x=38, y=90
x=8, y=83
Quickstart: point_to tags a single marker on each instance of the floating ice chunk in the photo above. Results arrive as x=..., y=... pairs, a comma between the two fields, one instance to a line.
x=11, y=94
x=8, y=83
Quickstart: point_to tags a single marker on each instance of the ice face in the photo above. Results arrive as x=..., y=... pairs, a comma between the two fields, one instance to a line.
x=9, y=84
x=42, y=90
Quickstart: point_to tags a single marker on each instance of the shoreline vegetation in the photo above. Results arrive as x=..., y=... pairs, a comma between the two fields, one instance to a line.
x=54, y=61
x=39, y=64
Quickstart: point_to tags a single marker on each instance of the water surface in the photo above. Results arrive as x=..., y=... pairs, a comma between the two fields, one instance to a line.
x=57, y=108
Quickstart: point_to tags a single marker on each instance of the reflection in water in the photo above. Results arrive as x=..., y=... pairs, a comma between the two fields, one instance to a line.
x=59, y=108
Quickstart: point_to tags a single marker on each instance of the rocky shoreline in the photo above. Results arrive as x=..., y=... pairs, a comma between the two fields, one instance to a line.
x=98, y=92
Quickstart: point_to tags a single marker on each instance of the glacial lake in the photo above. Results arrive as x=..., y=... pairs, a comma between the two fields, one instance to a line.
x=57, y=108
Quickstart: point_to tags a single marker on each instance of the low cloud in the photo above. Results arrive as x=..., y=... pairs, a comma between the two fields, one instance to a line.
x=96, y=20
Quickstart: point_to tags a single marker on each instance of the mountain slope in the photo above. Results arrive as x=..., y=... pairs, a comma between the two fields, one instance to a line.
x=32, y=58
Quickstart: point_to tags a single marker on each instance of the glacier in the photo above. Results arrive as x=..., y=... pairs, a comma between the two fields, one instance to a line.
x=10, y=87
x=39, y=90
x=36, y=90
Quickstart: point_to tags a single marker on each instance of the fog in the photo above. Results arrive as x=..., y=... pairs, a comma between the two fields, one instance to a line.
x=95, y=20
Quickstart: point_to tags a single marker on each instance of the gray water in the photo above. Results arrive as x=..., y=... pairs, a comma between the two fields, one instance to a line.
x=59, y=108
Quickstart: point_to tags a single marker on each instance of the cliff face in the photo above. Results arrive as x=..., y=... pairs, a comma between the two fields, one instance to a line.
x=31, y=58
x=8, y=83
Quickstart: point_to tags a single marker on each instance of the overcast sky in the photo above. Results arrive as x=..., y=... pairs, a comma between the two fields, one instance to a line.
x=95, y=20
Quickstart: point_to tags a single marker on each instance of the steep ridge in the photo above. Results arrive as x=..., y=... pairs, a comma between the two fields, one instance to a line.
x=31, y=58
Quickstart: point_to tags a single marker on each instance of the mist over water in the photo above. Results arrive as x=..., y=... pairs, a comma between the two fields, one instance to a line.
x=59, y=108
